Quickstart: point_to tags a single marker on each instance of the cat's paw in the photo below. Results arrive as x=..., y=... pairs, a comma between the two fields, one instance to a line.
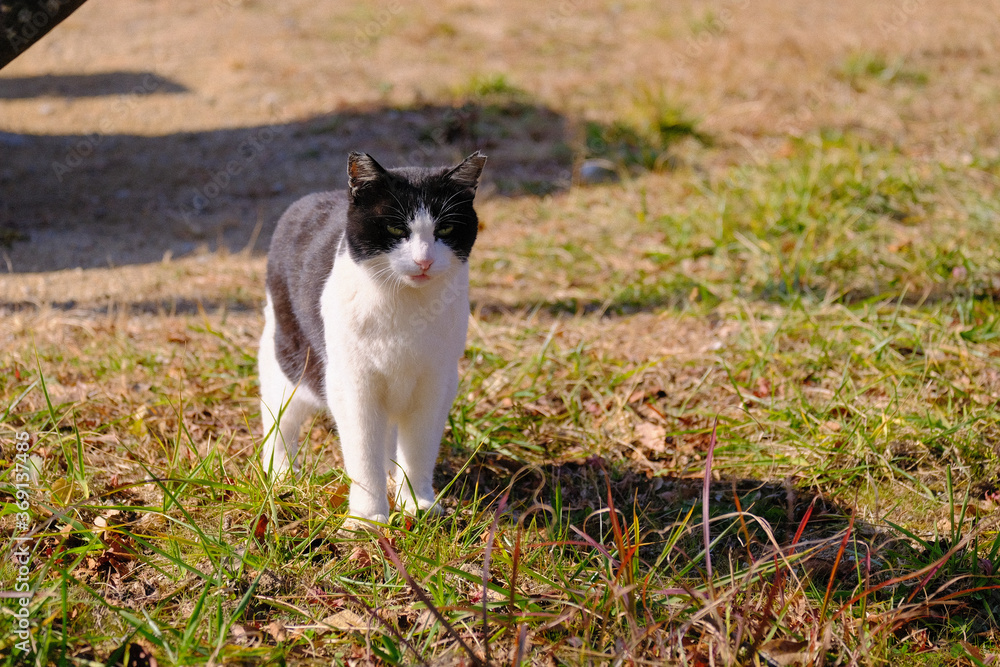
x=289, y=475
x=428, y=506
x=353, y=525
x=404, y=498
x=431, y=508
x=281, y=469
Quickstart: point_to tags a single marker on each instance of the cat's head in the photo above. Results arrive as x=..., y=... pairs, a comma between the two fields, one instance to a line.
x=417, y=223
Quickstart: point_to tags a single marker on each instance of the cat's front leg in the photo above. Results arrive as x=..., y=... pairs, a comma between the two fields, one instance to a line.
x=363, y=427
x=420, y=433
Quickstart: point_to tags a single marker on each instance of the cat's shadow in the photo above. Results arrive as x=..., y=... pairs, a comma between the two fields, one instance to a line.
x=757, y=520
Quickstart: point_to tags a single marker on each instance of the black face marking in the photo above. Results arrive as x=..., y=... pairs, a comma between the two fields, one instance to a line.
x=373, y=217
x=383, y=202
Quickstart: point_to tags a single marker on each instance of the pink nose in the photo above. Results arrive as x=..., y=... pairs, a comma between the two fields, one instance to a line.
x=424, y=264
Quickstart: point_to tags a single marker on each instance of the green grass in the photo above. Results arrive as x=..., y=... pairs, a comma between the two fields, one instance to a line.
x=493, y=88
x=818, y=337
x=646, y=137
x=838, y=221
x=863, y=67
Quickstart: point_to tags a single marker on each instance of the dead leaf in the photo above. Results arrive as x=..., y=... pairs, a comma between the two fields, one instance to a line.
x=260, y=529
x=643, y=395
x=786, y=652
x=277, y=630
x=101, y=523
x=240, y=635
x=424, y=621
x=316, y=595
x=360, y=557
x=339, y=495
x=346, y=621
x=651, y=436
x=762, y=388
x=62, y=490
x=116, y=557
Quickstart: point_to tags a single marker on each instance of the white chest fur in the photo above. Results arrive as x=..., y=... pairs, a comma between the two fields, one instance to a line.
x=391, y=337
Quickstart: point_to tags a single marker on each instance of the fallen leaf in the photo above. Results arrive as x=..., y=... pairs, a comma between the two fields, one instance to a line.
x=277, y=630
x=316, y=595
x=346, y=621
x=785, y=652
x=425, y=620
x=762, y=388
x=339, y=495
x=62, y=490
x=643, y=395
x=239, y=635
x=651, y=436
x=360, y=557
x=260, y=530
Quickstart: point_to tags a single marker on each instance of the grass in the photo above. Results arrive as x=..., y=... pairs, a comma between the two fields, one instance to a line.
x=485, y=88
x=863, y=67
x=724, y=411
x=646, y=137
x=787, y=351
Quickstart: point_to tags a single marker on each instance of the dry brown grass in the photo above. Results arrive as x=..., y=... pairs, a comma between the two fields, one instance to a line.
x=845, y=333
x=753, y=73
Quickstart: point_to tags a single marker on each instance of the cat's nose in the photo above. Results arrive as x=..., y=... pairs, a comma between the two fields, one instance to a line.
x=424, y=264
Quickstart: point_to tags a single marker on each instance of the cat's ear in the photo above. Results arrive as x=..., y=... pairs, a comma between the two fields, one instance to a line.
x=467, y=173
x=362, y=171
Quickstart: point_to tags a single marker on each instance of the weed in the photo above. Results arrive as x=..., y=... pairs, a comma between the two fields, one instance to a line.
x=862, y=67
x=646, y=141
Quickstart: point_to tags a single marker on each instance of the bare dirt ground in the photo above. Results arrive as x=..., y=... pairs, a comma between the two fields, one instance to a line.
x=148, y=147
x=139, y=130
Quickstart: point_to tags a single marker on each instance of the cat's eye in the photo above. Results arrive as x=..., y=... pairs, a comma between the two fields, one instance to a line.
x=444, y=230
x=396, y=230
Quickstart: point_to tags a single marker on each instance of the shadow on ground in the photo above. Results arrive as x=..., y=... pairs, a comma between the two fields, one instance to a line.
x=87, y=85
x=582, y=489
x=109, y=199
x=873, y=558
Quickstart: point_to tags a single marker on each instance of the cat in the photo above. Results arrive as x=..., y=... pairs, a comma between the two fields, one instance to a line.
x=366, y=315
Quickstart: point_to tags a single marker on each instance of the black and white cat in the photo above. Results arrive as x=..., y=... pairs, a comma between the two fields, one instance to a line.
x=367, y=313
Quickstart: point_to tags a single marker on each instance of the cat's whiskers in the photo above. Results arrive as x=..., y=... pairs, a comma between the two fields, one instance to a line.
x=449, y=216
x=377, y=277
x=387, y=278
x=448, y=206
x=401, y=209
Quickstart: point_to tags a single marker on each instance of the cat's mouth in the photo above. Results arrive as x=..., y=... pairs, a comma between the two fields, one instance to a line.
x=419, y=278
